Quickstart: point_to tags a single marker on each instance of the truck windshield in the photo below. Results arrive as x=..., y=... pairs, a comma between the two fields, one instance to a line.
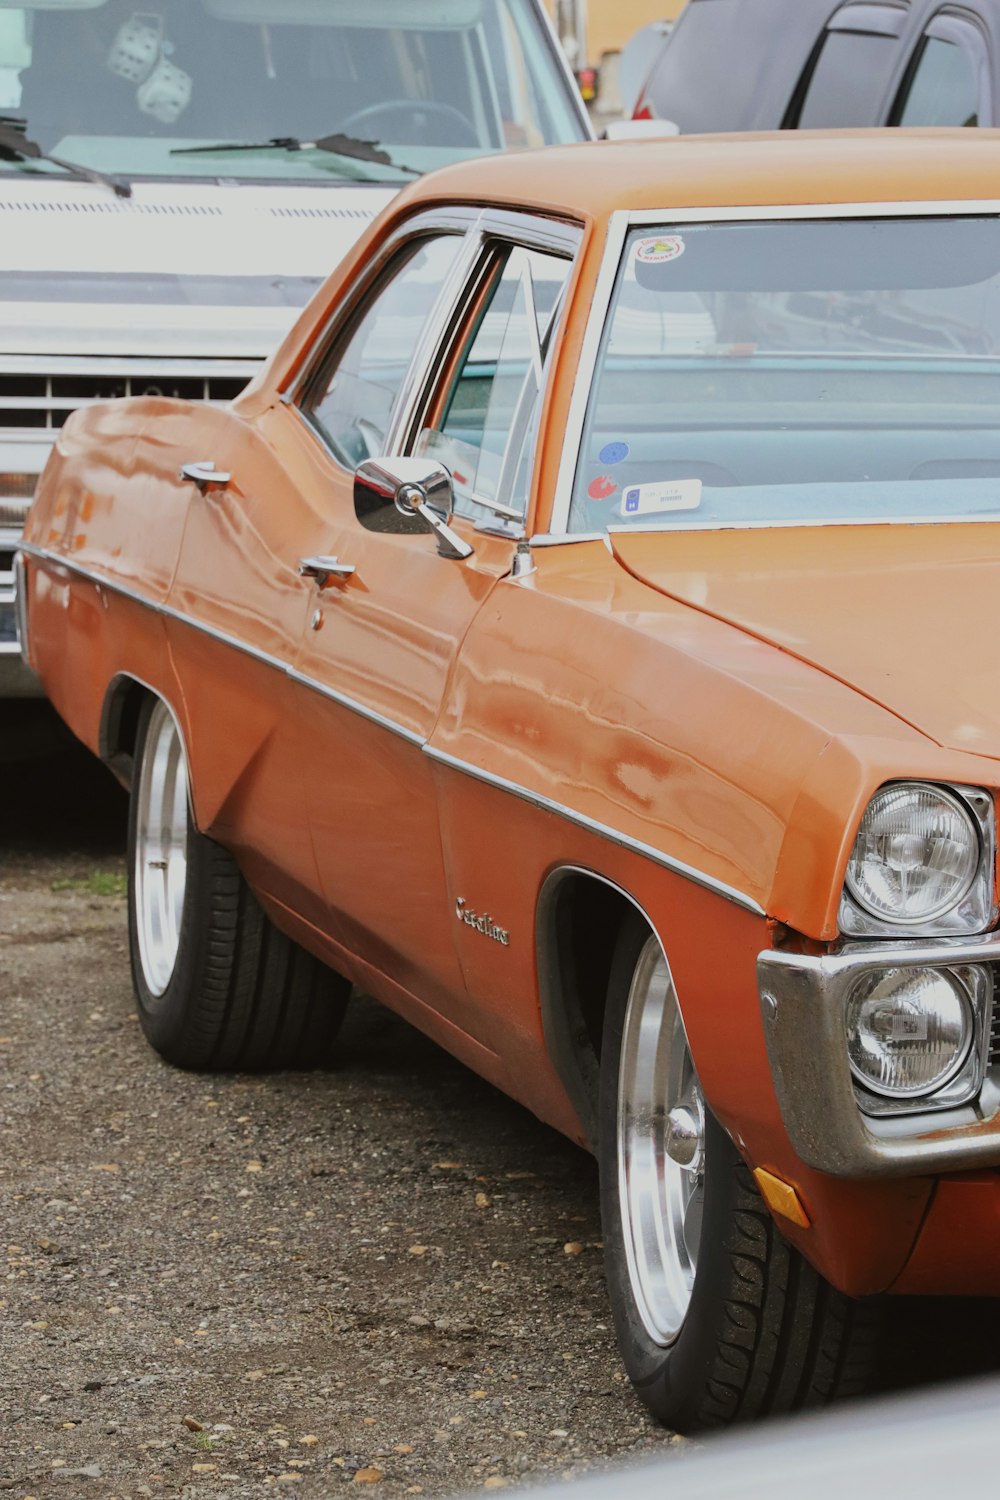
x=770, y=374
x=120, y=89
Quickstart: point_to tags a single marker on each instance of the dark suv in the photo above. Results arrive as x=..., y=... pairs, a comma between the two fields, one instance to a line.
x=782, y=64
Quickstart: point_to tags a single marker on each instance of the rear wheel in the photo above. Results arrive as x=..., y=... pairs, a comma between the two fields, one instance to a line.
x=217, y=985
x=718, y=1318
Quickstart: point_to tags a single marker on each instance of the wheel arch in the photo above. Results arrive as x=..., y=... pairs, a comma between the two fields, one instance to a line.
x=578, y=918
x=119, y=724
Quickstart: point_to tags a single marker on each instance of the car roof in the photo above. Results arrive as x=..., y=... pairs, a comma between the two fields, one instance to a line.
x=782, y=167
x=591, y=181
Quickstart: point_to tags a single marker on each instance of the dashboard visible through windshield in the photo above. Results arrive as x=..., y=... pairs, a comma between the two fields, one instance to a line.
x=143, y=92
x=787, y=373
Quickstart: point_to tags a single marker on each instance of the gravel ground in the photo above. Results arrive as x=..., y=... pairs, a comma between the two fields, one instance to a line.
x=385, y=1274
x=235, y=1286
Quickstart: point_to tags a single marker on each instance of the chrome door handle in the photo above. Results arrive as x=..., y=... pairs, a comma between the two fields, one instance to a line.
x=323, y=569
x=204, y=473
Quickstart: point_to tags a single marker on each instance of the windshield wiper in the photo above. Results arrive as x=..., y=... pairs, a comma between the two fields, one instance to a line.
x=350, y=146
x=15, y=146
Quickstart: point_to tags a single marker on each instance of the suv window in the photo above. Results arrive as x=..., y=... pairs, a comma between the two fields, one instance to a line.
x=351, y=403
x=484, y=434
x=943, y=87
x=850, y=70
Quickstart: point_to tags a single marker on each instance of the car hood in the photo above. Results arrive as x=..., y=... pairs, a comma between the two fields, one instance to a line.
x=902, y=613
x=209, y=270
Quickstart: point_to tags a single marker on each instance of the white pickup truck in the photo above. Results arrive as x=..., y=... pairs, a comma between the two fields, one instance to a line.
x=176, y=182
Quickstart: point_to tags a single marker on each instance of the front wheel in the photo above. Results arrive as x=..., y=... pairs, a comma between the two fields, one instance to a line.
x=718, y=1318
x=217, y=985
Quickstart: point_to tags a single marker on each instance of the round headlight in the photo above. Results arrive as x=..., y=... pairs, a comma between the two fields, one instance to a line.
x=916, y=854
x=909, y=1030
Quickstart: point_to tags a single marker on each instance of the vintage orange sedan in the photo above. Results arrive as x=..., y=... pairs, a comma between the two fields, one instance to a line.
x=580, y=637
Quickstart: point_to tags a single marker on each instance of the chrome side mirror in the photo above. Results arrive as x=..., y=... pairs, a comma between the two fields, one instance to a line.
x=408, y=495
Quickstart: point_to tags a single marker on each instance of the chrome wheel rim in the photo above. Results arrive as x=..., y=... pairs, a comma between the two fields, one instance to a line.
x=160, y=855
x=661, y=1150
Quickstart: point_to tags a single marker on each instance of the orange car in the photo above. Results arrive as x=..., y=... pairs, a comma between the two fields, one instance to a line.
x=579, y=636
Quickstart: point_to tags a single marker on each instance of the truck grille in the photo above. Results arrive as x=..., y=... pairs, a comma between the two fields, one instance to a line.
x=40, y=402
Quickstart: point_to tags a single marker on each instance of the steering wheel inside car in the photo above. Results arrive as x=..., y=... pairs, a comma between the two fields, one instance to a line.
x=421, y=122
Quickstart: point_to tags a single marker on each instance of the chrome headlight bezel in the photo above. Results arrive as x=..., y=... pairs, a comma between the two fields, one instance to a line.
x=974, y=912
x=962, y=1083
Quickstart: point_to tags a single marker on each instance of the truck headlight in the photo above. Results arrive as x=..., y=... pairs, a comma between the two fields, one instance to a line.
x=922, y=860
x=909, y=1030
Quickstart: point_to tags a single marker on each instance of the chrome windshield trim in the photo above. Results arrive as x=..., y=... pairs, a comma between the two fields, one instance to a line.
x=603, y=830
x=441, y=757
x=586, y=370
x=619, y=224
x=799, y=524
x=564, y=538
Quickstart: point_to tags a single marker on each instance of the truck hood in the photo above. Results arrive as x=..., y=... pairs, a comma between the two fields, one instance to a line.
x=902, y=613
x=179, y=269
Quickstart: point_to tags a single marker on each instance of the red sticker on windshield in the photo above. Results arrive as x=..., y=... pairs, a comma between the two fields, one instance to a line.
x=602, y=488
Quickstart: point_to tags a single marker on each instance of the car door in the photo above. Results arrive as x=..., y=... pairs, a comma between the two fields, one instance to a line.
x=381, y=639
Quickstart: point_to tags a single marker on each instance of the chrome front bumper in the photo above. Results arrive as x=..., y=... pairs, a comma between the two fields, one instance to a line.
x=803, y=1001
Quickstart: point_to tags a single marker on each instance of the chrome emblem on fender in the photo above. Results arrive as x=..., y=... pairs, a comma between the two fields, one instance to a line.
x=484, y=924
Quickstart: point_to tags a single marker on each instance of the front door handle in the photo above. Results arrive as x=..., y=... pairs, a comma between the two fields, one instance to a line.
x=205, y=473
x=323, y=569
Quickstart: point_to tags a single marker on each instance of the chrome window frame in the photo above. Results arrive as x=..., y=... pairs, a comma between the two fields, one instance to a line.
x=481, y=229
x=329, y=343
x=619, y=225
x=526, y=417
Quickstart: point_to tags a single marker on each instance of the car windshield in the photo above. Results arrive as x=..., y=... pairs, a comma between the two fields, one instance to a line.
x=761, y=374
x=125, y=89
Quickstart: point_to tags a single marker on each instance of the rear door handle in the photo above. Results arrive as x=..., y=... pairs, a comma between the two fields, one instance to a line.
x=204, y=473
x=323, y=569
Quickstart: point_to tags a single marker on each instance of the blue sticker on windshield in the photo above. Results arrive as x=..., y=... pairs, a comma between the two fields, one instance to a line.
x=614, y=453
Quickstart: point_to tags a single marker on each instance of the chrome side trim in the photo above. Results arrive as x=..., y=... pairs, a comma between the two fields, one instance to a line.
x=603, y=830
x=803, y=999
x=354, y=707
x=622, y=220
x=225, y=639
x=466, y=768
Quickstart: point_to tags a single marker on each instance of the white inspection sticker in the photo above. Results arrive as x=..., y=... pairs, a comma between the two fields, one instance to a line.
x=655, y=499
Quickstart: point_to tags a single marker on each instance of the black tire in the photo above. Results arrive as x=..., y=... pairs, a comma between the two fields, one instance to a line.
x=763, y=1331
x=240, y=994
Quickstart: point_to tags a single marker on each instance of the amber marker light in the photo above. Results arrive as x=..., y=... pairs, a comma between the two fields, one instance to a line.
x=781, y=1198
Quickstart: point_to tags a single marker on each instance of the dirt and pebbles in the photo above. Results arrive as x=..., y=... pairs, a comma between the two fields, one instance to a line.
x=384, y=1275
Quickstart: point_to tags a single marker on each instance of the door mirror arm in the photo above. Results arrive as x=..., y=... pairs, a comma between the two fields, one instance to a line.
x=411, y=500
x=408, y=494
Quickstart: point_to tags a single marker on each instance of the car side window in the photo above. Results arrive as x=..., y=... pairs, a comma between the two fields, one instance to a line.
x=352, y=400
x=849, y=71
x=945, y=85
x=484, y=433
